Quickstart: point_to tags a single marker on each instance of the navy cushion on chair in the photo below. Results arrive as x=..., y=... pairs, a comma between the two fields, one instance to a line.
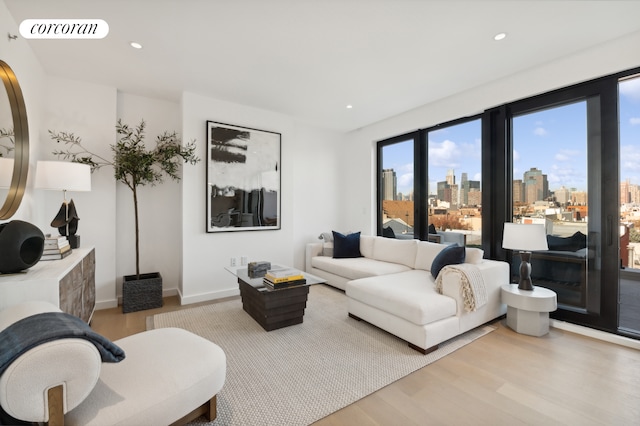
x=575, y=242
x=346, y=245
x=450, y=255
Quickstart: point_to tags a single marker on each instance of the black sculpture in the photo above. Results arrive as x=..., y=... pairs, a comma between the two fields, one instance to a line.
x=21, y=246
x=67, y=223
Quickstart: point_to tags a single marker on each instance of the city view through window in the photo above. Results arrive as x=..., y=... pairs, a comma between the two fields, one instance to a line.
x=549, y=175
x=629, y=94
x=454, y=182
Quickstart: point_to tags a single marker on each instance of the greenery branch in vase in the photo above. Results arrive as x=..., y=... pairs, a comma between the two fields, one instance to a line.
x=134, y=165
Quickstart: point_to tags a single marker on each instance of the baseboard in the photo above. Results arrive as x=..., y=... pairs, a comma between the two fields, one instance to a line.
x=205, y=297
x=596, y=334
x=106, y=304
x=114, y=303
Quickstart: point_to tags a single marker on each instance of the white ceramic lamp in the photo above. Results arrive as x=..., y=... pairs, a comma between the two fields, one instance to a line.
x=524, y=238
x=64, y=176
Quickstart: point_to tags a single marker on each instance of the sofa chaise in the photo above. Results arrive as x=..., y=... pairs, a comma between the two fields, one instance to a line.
x=393, y=284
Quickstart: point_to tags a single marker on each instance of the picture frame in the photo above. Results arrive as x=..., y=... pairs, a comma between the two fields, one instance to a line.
x=243, y=178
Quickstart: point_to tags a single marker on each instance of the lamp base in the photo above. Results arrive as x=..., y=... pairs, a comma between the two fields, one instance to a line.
x=525, y=272
x=74, y=241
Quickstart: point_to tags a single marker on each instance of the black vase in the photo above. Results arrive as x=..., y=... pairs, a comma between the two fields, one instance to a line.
x=21, y=246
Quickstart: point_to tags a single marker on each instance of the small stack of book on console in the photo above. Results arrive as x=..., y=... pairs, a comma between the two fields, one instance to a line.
x=276, y=279
x=55, y=247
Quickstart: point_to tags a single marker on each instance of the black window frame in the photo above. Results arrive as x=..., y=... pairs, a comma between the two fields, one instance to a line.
x=497, y=180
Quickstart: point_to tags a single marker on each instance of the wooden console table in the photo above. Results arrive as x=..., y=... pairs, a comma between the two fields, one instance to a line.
x=68, y=283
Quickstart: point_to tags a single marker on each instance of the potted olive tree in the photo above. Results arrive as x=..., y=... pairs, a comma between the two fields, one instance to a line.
x=134, y=165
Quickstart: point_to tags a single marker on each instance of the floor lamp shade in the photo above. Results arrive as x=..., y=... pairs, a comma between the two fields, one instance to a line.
x=64, y=176
x=524, y=238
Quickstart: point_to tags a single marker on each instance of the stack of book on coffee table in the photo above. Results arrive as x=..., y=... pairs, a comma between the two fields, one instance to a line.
x=276, y=279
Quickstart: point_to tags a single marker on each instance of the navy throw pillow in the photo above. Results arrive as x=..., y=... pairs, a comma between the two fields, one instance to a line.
x=388, y=232
x=450, y=255
x=346, y=245
x=432, y=229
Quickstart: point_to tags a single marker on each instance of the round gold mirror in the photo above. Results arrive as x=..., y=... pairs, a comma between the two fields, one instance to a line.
x=14, y=143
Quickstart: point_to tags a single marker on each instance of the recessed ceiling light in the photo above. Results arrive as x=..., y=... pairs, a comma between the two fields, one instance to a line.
x=499, y=36
x=135, y=45
x=349, y=106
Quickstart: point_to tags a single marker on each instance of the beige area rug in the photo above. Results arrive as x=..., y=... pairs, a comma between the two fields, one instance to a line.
x=302, y=373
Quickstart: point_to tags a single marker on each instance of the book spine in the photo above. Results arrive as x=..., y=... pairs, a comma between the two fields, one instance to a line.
x=276, y=286
x=56, y=256
x=55, y=240
x=62, y=249
x=53, y=245
x=284, y=279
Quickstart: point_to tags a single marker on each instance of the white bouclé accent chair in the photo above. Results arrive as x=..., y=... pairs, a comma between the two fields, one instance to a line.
x=169, y=376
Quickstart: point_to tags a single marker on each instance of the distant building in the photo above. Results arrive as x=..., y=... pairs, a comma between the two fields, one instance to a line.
x=579, y=198
x=563, y=195
x=448, y=190
x=625, y=192
x=466, y=187
x=629, y=193
x=634, y=193
x=474, y=197
x=518, y=191
x=389, y=184
x=536, y=186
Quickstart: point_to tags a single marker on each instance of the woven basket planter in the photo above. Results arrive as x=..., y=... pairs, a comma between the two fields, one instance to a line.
x=143, y=293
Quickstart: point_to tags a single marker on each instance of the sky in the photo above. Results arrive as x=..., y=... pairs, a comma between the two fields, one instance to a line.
x=552, y=140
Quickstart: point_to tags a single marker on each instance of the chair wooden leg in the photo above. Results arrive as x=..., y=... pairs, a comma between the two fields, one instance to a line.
x=209, y=410
x=212, y=412
x=56, y=406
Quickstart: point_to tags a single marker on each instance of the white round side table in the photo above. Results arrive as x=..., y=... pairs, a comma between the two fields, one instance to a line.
x=528, y=310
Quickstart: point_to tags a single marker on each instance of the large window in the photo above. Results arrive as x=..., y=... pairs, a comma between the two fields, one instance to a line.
x=397, y=188
x=629, y=292
x=568, y=159
x=550, y=187
x=432, y=179
x=629, y=99
x=455, y=186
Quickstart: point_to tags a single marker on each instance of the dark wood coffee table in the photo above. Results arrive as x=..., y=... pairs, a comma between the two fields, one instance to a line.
x=273, y=309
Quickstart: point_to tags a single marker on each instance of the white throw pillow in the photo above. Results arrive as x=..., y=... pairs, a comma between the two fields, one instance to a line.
x=474, y=255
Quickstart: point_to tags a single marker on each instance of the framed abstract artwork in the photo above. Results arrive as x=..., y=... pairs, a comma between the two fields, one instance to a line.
x=243, y=178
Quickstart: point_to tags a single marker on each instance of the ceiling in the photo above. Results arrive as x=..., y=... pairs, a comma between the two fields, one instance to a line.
x=310, y=59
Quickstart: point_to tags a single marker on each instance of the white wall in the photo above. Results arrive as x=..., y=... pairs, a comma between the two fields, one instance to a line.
x=309, y=181
x=318, y=181
x=357, y=158
x=88, y=111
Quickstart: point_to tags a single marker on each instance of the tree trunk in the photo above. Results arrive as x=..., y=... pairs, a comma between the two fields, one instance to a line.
x=135, y=208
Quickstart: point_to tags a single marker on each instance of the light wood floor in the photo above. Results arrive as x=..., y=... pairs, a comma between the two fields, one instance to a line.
x=504, y=378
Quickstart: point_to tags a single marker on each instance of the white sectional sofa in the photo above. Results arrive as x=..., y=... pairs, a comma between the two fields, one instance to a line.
x=391, y=286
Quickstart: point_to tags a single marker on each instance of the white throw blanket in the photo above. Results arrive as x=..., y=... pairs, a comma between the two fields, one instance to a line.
x=474, y=292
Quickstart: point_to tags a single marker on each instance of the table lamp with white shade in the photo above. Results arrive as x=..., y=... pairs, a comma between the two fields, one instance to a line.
x=524, y=238
x=64, y=176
